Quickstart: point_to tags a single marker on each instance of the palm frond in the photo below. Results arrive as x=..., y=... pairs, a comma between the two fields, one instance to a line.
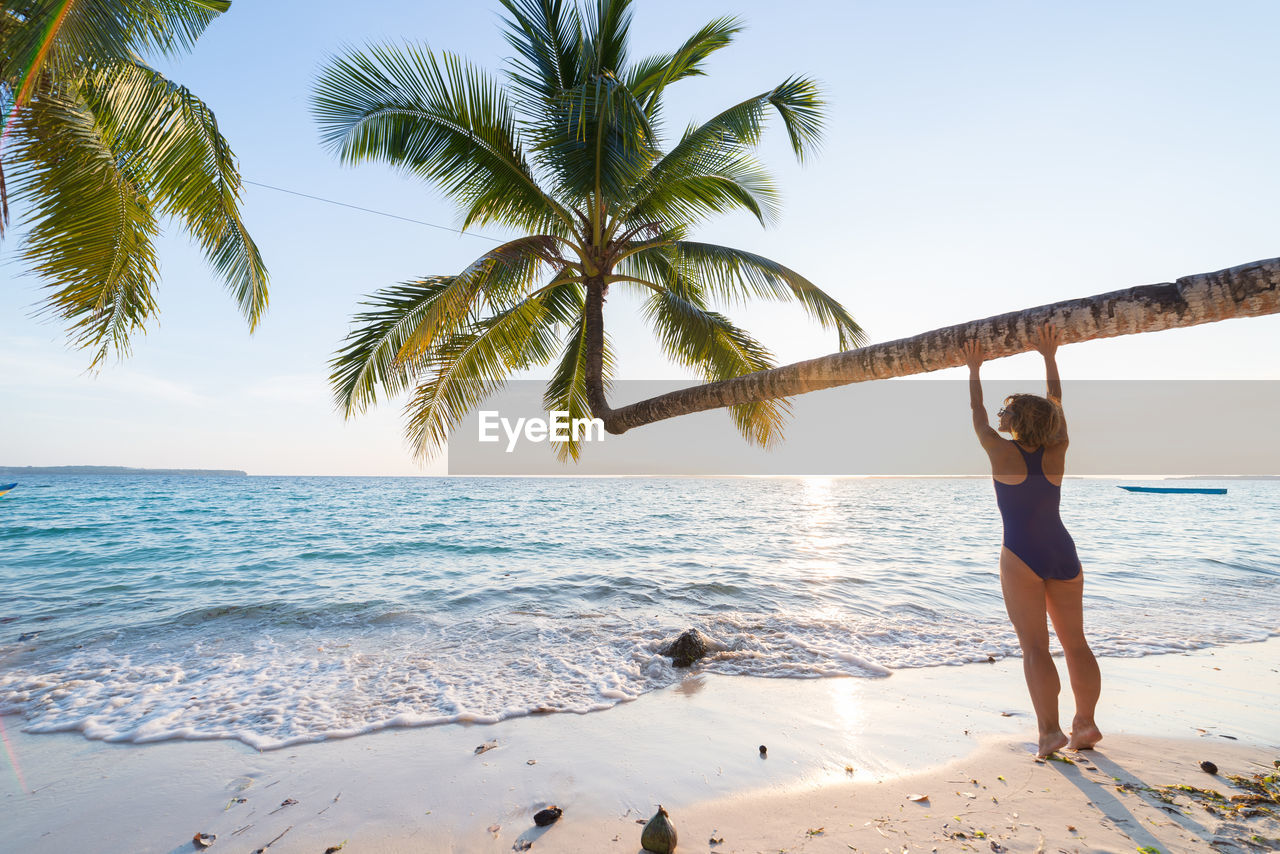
x=607, y=26
x=547, y=36
x=186, y=167
x=393, y=340
x=90, y=225
x=62, y=37
x=474, y=362
x=722, y=182
x=601, y=145
x=495, y=280
x=649, y=77
x=799, y=102
x=722, y=143
x=737, y=276
x=709, y=342
x=441, y=119
x=369, y=359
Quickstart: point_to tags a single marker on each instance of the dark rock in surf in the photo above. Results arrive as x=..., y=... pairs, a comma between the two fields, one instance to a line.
x=688, y=648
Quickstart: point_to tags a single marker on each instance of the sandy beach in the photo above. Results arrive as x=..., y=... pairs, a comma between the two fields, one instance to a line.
x=845, y=759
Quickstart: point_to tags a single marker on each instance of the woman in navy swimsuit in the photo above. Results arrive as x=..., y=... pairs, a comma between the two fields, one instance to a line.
x=1039, y=571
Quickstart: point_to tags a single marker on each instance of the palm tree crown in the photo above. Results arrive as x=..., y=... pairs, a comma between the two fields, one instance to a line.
x=98, y=147
x=570, y=149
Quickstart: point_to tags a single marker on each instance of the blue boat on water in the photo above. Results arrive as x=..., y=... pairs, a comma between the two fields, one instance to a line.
x=1194, y=490
x=6, y=487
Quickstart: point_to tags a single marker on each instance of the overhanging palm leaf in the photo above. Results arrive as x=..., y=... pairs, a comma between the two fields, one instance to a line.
x=91, y=226
x=100, y=147
x=185, y=165
x=571, y=149
x=102, y=31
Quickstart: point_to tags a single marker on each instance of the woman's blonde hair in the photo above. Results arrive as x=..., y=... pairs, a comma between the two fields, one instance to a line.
x=1033, y=420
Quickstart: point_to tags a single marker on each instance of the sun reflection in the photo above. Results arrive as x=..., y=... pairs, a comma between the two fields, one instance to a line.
x=817, y=522
x=850, y=715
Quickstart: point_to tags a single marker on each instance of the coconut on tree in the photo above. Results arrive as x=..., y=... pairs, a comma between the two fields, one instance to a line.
x=98, y=148
x=570, y=147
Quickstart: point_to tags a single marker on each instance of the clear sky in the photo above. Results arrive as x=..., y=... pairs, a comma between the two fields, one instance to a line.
x=981, y=157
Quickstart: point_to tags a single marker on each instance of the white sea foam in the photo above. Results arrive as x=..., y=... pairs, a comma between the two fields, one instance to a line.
x=298, y=687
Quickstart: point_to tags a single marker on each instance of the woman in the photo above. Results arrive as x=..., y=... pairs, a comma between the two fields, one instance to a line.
x=1039, y=569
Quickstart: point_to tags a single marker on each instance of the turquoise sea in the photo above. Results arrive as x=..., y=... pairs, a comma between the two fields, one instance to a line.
x=279, y=610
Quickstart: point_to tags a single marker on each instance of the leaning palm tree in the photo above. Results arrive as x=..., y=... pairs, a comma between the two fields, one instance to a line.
x=570, y=149
x=98, y=148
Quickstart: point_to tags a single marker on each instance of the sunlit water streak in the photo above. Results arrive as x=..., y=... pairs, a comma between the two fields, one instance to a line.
x=277, y=610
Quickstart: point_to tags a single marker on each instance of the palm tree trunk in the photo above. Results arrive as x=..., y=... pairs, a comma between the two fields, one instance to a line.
x=593, y=323
x=1249, y=290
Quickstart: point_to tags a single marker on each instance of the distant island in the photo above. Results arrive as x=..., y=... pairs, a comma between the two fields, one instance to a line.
x=26, y=471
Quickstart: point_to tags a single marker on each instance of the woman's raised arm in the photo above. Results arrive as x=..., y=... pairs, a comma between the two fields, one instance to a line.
x=974, y=356
x=1047, y=343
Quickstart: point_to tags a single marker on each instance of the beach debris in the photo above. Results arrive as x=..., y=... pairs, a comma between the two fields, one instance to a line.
x=1208, y=767
x=240, y=830
x=334, y=849
x=815, y=831
x=233, y=802
x=522, y=845
x=547, y=817
x=1006, y=714
x=274, y=841
x=486, y=747
x=991, y=659
x=531, y=762
x=917, y=798
x=997, y=847
x=848, y=769
x=204, y=840
x=764, y=751
x=331, y=803
x=494, y=828
x=687, y=648
x=659, y=835
x=715, y=840
x=287, y=802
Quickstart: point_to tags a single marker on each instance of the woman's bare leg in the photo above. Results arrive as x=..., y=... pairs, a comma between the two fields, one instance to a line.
x=1064, y=601
x=1024, y=599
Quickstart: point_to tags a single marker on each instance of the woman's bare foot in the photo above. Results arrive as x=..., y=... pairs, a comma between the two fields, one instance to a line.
x=1084, y=735
x=1049, y=742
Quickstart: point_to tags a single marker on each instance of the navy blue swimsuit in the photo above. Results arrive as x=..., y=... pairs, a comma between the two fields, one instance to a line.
x=1033, y=530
